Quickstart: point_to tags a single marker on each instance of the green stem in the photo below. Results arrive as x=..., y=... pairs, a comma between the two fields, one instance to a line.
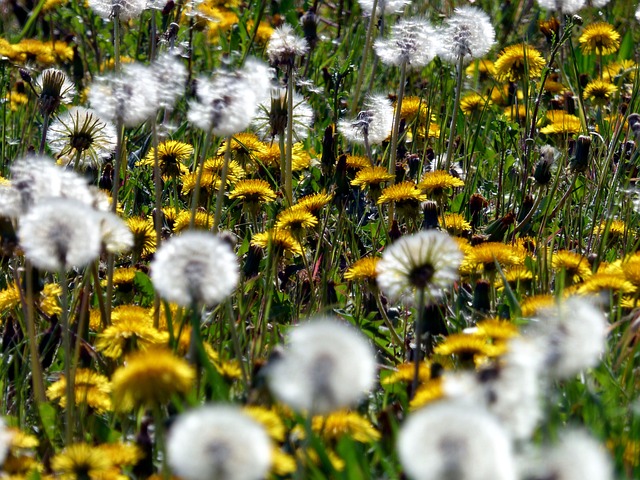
x=288, y=185
x=66, y=346
x=45, y=127
x=418, y=334
x=196, y=189
x=365, y=55
x=223, y=186
x=454, y=114
x=395, y=132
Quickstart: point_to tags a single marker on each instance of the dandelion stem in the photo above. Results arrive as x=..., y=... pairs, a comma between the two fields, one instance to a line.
x=157, y=212
x=365, y=55
x=395, y=131
x=387, y=321
x=196, y=189
x=236, y=345
x=223, y=185
x=288, y=187
x=454, y=114
x=417, y=334
x=45, y=127
x=66, y=346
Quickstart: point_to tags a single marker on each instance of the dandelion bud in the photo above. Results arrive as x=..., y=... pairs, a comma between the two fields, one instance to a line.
x=481, y=300
x=634, y=124
x=430, y=213
x=580, y=161
x=542, y=172
x=577, y=19
x=25, y=75
x=309, y=23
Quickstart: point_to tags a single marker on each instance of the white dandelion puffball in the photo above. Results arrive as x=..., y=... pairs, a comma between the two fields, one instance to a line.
x=572, y=335
x=450, y=440
x=115, y=233
x=171, y=75
x=467, y=34
x=6, y=436
x=413, y=41
x=195, y=267
x=427, y=260
x=564, y=6
x=58, y=234
x=124, y=9
x=284, y=46
x=327, y=365
x=385, y=6
x=372, y=125
x=218, y=442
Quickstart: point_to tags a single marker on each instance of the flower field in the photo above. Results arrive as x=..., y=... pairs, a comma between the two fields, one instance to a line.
x=333, y=239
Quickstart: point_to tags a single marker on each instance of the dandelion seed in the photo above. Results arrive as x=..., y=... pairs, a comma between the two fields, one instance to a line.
x=564, y=6
x=412, y=41
x=81, y=138
x=116, y=235
x=122, y=9
x=285, y=46
x=326, y=366
x=195, y=268
x=449, y=440
x=372, y=125
x=218, y=442
x=467, y=34
x=59, y=234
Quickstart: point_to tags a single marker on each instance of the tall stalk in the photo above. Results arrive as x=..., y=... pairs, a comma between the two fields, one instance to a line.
x=454, y=114
x=66, y=346
x=196, y=189
x=223, y=185
x=288, y=185
x=365, y=56
x=395, y=132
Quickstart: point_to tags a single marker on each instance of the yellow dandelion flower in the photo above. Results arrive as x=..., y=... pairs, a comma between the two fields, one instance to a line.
x=253, y=191
x=515, y=275
x=79, y=461
x=552, y=85
x=357, y=162
x=144, y=235
x=215, y=165
x=486, y=254
x=432, y=132
x=405, y=372
x=172, y=156
x=606, y=281
x=123, y=278
x=473, y=103
x=513, y=113
x=296, y=219
x=315, y=202
x=16, y=99
x=128, y=335
x=482, y=68
x=466, y=346
x=455, y=224
x=599, y=92
x=405, y=192
x=364, y=269
x=631, y=269
x=110, y=63
x=624, y=70
x=149, y=378
x=52, y=5
x=413, y=108
x=209, y=182
x=428, y=392
x=263, y=32
x=269, y=419
x=371, y=176
x=203, y=221
x=243, y=147
x=561, y=123
x=281, y=240
x=617, y=228
x=496, y=329
x=9, y=297
x=437, y=182
x=283, y=464
x=339, y=424
x=90, y=387
x=576, y=266
x=517, y=61
x=531, y=306
x=599, y=38
x=502, y=95
x=121, y=454
x=269, y=156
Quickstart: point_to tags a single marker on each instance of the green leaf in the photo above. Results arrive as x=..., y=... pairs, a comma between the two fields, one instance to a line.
x=143, y=284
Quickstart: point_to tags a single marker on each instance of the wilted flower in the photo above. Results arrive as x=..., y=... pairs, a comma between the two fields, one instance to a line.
x=80, y=137
x=131, y=95
x=372, y=125
x=53, y=88
x=468, y=34
x=58, y=234
x=195, y=267
x=565, y=6
x=284, y=46
x=576, y=456
x=227, y=103
x=271, y=119
x=122, y=9
x=412, y=41
x=218, y=442
x=326, y=366
x=427, y=261
x=450, y=440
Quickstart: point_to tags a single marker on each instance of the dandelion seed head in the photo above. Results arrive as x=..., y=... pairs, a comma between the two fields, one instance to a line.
x=58, y=234
x=452, y=440
x=467, y=34
x=218, y=442
x=115, y=233
x=79, y=134
x=195, y=267
x=373, y=124
x=6, y=436
x=171, y=77
x=326, y=365
x=285, y=46
x=412, y=41
x=428, y=260
x=131, y=95
x=385, y=6
x=565, y=6
x=123, y=9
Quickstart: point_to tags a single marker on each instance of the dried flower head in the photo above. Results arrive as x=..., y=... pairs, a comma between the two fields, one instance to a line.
x=372, y=125
x=451, y=440
x=195, y=268
x=218, y=442
x=412, y=41
x=326, y=366
x=54, y=88
x=467, y=34
x=285, y=46
x=59, y=234
x=227, y=103
x=81, y=138
x=427, y=261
